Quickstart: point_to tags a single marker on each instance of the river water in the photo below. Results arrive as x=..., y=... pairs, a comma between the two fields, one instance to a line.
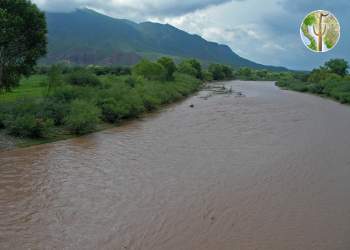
x=267, y=171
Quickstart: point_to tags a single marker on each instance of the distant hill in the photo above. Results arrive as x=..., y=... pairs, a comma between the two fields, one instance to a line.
x=87, y=37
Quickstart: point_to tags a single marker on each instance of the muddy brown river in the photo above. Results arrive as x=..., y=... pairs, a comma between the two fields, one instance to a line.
x=267, y=171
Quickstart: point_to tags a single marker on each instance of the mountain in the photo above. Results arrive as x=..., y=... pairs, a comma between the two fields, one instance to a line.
x=87, y=37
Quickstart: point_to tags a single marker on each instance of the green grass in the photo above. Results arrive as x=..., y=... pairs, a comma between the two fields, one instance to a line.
x=31, y=87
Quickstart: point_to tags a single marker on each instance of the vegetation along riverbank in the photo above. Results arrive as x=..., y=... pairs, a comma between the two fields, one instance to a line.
x=68, y=101
x=62, y=101
x=331, y=80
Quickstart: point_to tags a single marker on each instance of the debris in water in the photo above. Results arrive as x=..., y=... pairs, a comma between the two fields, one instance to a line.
x=240, y=94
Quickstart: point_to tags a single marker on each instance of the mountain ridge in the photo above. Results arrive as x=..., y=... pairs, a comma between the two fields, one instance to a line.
x=88, y=37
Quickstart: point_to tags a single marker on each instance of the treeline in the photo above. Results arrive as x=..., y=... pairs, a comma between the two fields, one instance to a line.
x=77, y=100
x=330, y=80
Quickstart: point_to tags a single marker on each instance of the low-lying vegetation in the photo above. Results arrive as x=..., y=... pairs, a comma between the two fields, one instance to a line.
x=330, y=80
x=60, y=100
x=77, y=100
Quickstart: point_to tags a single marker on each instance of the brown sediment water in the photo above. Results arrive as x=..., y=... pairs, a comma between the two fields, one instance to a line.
x=270, y=170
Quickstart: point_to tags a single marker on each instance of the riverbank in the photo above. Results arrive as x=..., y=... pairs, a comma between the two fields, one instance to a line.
x=330, y=80
x=338, y=91
x=31, y=116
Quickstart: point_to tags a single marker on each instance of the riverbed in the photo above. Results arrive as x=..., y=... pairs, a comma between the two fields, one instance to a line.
x=268, y=170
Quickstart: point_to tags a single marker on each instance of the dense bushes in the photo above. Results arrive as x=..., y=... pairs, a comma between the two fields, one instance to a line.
x=56, y=110
x=169, y=67
x=186, y=68
x=25, y=119
x=191, y=67
x=329, y=80
x=118, y=71
x=83, y=77
x=29, y=125
x=83, y=117
x=150, y=70
x=77, y=100
x=220, y=72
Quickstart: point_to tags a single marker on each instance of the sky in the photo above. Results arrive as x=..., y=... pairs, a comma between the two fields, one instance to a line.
x=264, y=31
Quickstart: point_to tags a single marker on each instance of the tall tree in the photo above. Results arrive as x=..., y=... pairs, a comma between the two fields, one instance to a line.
x=169, y=66
x=337, y=66
x=22, y=40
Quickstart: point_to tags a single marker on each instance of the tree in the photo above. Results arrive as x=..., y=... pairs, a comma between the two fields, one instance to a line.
x=317, y=75
x=186, y=67
x=262, y=74
x=227, y=72
x=197, y=66
x=217, y=71
x=245, y=72
x=22, y=40
x=169, y=67
x=337, y=66
x=149, y=70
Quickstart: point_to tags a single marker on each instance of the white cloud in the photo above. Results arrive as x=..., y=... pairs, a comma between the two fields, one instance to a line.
x=231, y=24
x=131, y=8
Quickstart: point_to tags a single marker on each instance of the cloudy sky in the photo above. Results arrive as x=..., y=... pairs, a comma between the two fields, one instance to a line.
x=265, y=31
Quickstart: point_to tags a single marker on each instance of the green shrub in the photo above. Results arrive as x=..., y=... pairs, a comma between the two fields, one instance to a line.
x=68, y=93
x=112, y=111
x=83, y=77
x=197, y=66
x=317, y=75
x=293, y=85
x=131, y=81
x=25, y=118
x=337, y=66
x=186, y=67
x=103, y=70
x=63, y=94
x=29, y=125
x=217, y=71
x=83, y=117
x=55, y=110
x=315, y=88
x=169, y=67
x=149, y=70
x=207, y=76
x=149, y=96
x=343, y=97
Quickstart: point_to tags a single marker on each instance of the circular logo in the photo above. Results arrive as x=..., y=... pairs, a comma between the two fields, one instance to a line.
x=320, y=31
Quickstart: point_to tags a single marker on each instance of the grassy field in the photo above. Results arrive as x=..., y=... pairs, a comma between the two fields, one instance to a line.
x=30, y=87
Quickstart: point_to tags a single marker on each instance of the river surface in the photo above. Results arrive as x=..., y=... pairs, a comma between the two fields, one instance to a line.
x=268, y=171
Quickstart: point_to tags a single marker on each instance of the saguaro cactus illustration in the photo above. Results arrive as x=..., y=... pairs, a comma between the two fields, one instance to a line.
x=321, y=30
